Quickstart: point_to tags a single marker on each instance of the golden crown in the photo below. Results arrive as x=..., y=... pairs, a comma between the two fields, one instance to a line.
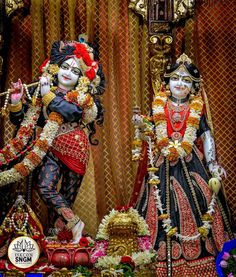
x=184, y=58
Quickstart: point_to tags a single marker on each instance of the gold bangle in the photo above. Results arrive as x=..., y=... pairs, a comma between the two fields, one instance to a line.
x=15, y=107
x=47, y=99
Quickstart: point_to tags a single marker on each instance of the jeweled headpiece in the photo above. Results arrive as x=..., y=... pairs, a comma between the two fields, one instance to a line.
x=184, y=59
x=186, y=64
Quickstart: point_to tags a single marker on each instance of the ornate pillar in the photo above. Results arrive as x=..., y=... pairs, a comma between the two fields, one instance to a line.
x=161, y=16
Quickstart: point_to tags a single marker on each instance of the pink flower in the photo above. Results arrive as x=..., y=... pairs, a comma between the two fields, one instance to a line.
x=230, y=275
x=223, y=264
x=97, y=254
x=144, y=243
x=226, y=256
x=101, y=244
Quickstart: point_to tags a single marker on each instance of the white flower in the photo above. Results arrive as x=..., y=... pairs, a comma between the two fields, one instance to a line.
x=90, y=114
x=143, y=258
x=107, y=262
x=48, y=134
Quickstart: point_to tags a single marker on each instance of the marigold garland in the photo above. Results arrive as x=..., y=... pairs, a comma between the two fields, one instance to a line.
x=159, y=117
x=159, y=102
x=168, y=148
x=173, y=155
x=187, y=147
x=72, y=96
x=7, y=153
x=54, y=116
x=42, y=144
x=22, y=169
x=16, y=146
x=163, y=143
x=35, y=156
x=193, y=121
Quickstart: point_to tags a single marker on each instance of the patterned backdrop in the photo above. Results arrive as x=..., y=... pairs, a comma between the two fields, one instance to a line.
x=216, y=32
x=124, y=54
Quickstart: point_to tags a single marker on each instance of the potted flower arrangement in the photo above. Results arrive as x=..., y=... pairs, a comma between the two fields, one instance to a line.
x=126, y=261
x=226, y=260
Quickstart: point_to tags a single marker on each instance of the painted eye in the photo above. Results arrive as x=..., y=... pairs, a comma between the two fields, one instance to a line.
x=76, y=71
x=174, y=78
x=65, y=66
x=187, y=80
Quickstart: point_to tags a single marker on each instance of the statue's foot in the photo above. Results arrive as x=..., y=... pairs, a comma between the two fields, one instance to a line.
x=77, y=231
x=59, y=224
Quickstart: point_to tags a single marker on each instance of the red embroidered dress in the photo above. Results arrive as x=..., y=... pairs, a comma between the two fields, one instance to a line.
x=71, y=146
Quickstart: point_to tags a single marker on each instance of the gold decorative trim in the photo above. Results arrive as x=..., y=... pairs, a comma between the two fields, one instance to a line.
x=157, y=27
x=160, y=48
x=15, y=108
x=183, y=8
x=47, y=99
x=13, y=5
x=139, y=7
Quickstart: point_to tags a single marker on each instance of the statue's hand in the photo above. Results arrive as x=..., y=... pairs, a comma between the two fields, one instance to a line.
x=17, y=92
x=45, y=85
x=137, y=119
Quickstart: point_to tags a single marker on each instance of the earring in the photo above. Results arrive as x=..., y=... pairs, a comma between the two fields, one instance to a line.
x=167, y=91
x=192, y=94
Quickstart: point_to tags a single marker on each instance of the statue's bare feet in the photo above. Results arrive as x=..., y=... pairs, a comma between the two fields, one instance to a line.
x=77, y=231
x=59, y=224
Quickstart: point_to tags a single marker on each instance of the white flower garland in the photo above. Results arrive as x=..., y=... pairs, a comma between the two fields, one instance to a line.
x=172, y=231
x=189, y=137
x=90, y=114
x=140, y=259
x=161, y=126
x=48, y=134
x=29, y=122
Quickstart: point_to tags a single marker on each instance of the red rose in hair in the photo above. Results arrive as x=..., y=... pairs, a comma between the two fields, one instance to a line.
x=90, y=74
x=65, y=235
x=83, y=242
x=43, y=64
x=81, y=52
